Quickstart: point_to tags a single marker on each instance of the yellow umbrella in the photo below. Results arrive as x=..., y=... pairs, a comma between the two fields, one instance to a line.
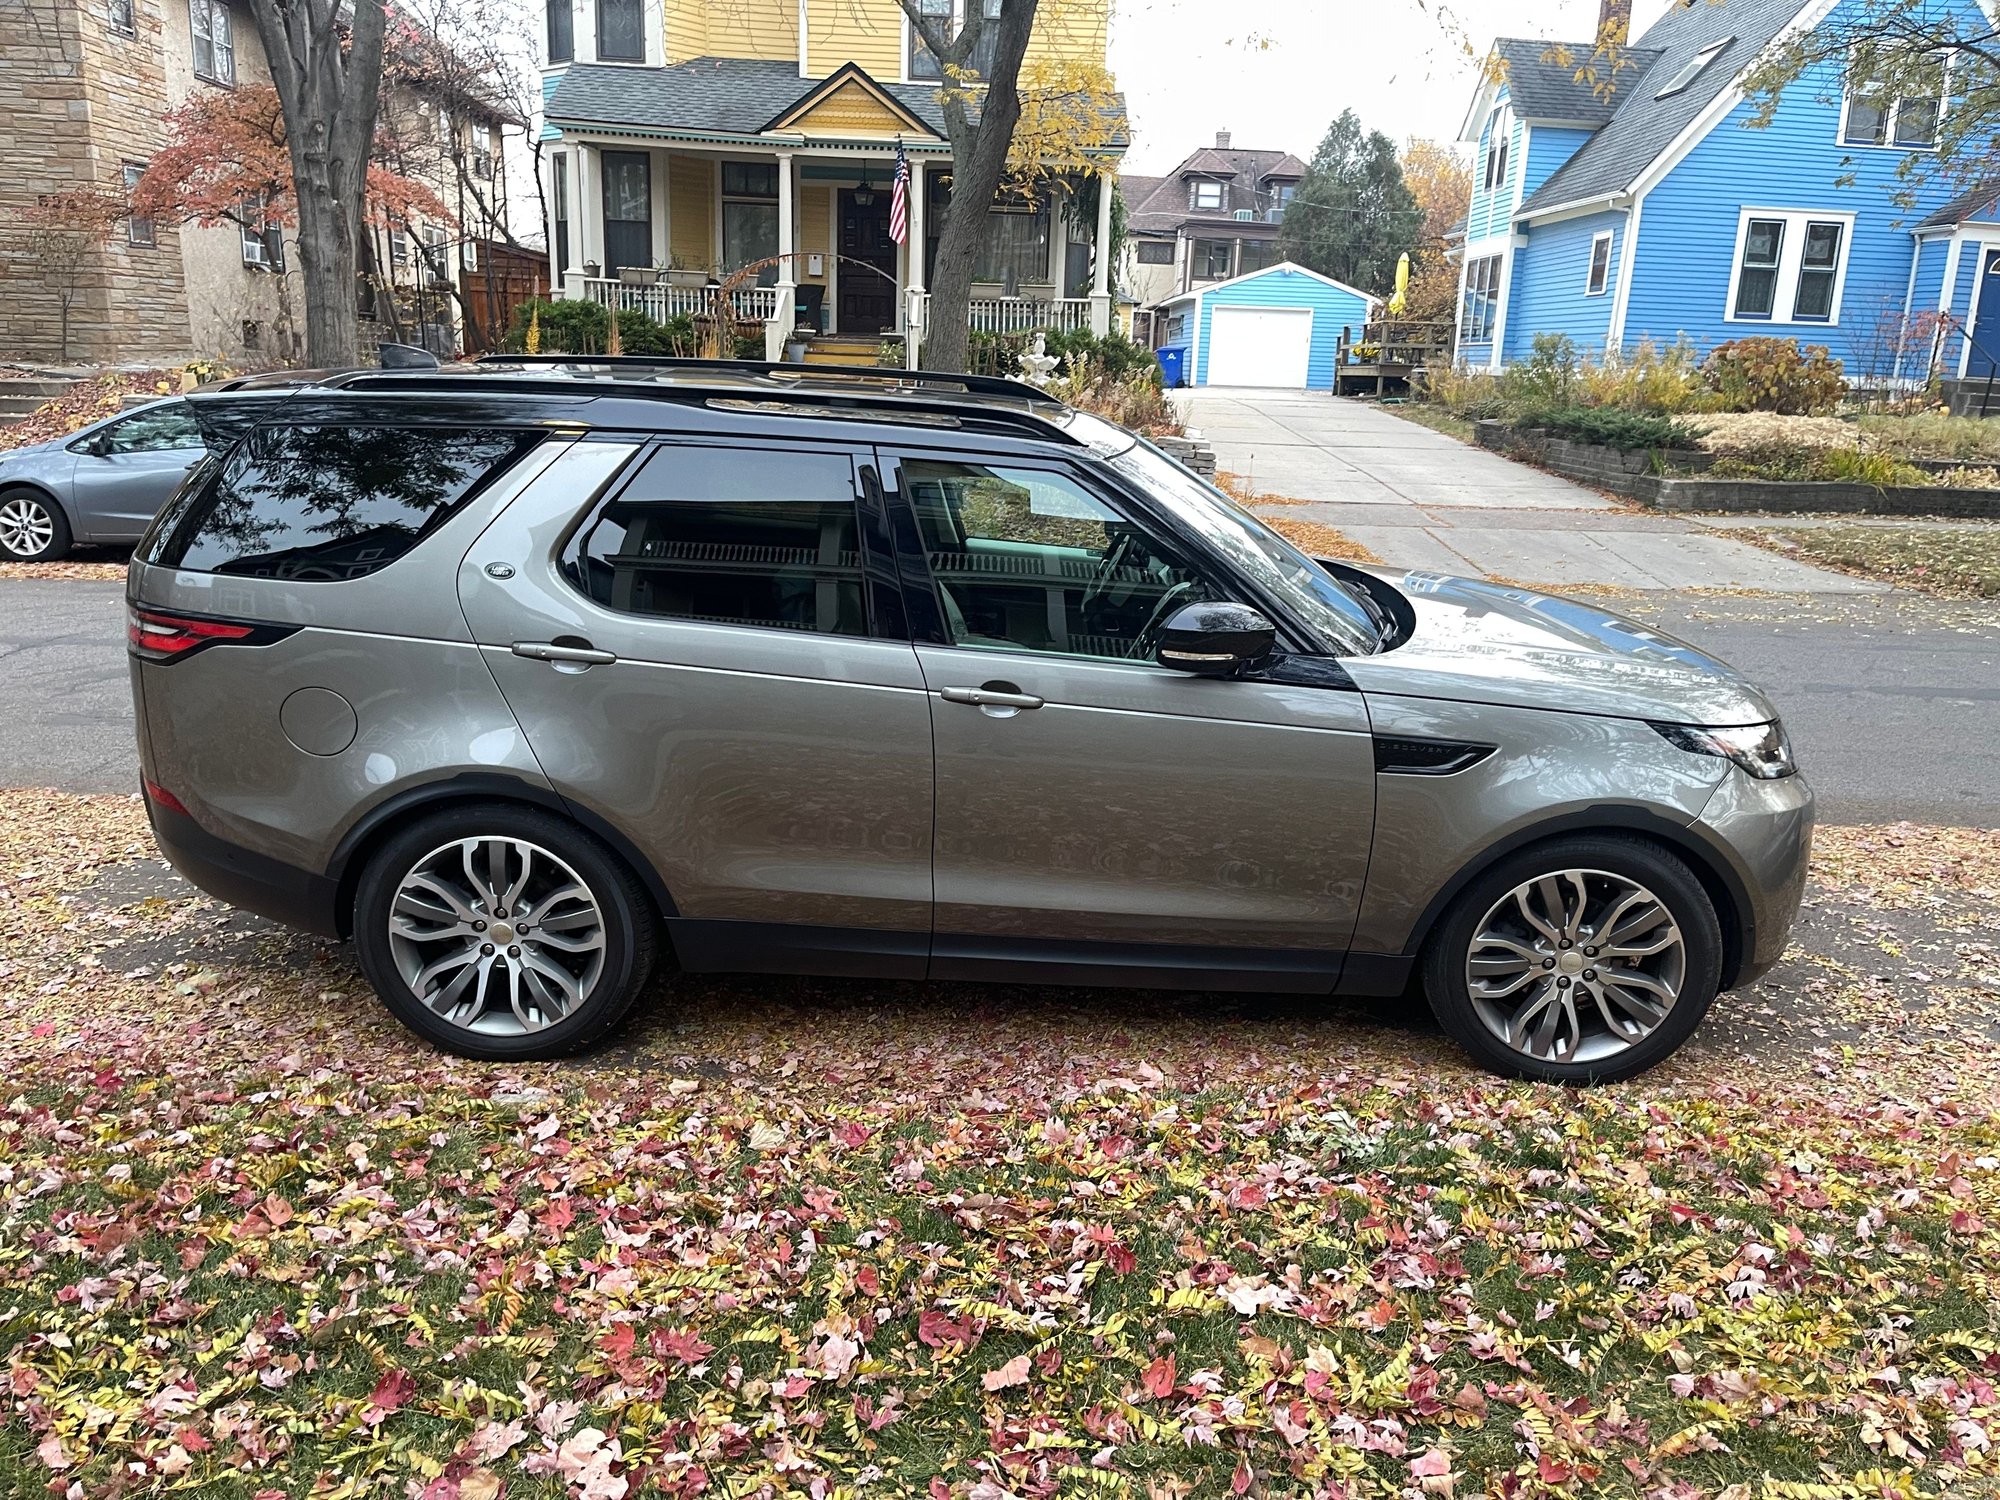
x=1400, y=303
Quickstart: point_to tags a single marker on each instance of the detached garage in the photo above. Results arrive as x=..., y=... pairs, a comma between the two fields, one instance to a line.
x=1276, y=327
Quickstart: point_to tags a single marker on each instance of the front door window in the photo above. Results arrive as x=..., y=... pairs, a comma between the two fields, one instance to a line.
x=628, y=210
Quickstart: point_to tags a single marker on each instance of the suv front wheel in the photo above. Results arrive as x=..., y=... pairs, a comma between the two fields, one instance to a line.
x=1582, y=960
x=503, y=933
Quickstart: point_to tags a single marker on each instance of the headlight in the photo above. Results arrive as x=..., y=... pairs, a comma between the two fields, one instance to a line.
x=1764, y=750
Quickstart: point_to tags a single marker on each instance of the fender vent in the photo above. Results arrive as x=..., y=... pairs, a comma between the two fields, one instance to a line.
x=1401, y=757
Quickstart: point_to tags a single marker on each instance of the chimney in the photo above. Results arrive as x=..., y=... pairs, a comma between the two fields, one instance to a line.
x=1222, y=136
x=1614, y=22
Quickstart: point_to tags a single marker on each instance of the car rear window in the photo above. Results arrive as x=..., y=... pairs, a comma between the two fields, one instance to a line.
x=324, y=503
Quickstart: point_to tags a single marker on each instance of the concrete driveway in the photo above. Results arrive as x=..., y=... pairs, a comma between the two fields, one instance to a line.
x=1419, y=499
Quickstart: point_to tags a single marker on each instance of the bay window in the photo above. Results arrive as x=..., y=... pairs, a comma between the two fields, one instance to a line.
x=1482, y=301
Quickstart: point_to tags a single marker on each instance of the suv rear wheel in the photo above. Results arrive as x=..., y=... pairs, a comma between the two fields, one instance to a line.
x=32, y=528
x=1582, y=960
x=502, y=932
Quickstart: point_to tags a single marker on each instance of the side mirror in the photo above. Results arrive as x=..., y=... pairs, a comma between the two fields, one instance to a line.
x=1215, y=640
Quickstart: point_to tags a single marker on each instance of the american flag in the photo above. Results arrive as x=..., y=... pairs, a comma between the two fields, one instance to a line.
x=899, y=199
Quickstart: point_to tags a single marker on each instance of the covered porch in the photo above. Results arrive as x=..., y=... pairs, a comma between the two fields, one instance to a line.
x=800, y=233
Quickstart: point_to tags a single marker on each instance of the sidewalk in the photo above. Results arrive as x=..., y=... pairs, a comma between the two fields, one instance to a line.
x=1419, y=499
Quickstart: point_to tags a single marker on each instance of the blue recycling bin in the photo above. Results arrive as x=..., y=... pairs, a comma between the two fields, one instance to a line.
x=1173, y=364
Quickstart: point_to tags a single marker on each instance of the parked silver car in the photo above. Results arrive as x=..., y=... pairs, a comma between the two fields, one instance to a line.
x=102, y=485
x=526, y=677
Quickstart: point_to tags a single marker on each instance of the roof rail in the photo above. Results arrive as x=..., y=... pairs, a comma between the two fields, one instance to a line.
x=878, y=375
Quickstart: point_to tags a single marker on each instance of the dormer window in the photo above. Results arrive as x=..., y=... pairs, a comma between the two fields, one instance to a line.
x=1496, y=149
x=1881, y=115
x=1206, y=196
x=1693, y=69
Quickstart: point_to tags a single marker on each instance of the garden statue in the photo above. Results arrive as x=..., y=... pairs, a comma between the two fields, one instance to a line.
x=1038, y=366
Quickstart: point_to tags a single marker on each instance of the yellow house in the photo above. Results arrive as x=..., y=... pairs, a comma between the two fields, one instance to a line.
x=692, y=139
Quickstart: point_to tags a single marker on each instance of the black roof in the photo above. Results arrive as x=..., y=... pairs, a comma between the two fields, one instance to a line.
x=1641, y=127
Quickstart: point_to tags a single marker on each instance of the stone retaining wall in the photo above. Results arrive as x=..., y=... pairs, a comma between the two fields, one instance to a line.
x=1632, y=475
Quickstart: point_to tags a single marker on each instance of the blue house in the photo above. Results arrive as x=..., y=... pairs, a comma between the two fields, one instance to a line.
x=1659, y=210
x=1276, y=327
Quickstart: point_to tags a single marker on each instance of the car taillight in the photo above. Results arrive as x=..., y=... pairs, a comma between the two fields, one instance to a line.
x=158, y=794
x=162, y=637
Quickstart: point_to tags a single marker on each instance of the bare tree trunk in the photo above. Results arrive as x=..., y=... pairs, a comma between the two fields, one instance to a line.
x=978, y=161
x=329, y=86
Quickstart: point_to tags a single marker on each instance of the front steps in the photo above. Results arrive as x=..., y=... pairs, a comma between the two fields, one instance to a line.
x=20, y=395
x=849, y=351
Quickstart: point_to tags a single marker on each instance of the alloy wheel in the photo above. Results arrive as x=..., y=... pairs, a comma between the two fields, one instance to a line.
x=26, y=527
x=1575, y=966
x=497, y=935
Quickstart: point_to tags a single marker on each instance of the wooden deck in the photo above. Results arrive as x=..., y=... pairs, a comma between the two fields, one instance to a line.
x=1388, y=354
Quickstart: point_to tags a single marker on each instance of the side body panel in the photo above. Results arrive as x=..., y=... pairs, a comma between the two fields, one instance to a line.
x=116, y=495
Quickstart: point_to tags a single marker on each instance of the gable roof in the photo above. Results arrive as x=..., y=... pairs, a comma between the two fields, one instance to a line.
x=848, y=76
x=731, y=96
x=1641, y=127
x=1977, y=204
x=1159, y=205
x=1540, y=86
x=1289, y=267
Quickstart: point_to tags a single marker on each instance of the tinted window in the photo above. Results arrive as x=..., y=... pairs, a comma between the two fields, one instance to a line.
x=169, y=426
x=321, y=504
x=730, y=537
x=1027, y=560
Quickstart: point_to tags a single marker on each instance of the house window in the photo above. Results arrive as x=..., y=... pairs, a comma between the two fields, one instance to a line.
x=628, y=210
x=621, y=31
x=1790, y=266
x=1207, y=195
x=119, y=13
x=214, y=41
x=1679, y=83
x=263, y=243
x=138, y=229
x=1496, y=149
x=1156, y=252
x=1875, y=117
x=482, y=151
x=1015, y=249
x=559, y=210
x=750, y=216
x=1281, y=199
x=1211, y=259
x=950, y=18
x=468, y=254
x=399, y=250
x=562, y=31
x=434, y=255
x=1600, y=265
x=1257, y=255
x=1482, y=301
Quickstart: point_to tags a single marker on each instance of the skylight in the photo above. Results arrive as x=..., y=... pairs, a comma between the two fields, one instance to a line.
x=1687, y=75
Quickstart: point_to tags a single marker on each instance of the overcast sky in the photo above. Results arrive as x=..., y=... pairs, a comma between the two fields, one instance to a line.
x=1275, y=73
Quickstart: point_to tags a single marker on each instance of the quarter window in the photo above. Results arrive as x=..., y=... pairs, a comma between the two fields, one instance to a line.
x=1482, y=299
x=214, y=40
x=726, y=537
x=1027, y=560
x=323, y=504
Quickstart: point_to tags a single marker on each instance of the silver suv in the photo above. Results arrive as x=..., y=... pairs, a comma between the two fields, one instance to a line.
x=531, y=677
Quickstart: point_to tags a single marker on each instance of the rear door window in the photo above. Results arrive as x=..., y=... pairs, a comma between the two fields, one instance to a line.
x=325, y=503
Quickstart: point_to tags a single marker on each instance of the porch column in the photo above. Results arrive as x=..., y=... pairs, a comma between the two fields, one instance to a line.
x=569, y=162
x=785, y=314
x=1100, y=275
x=588, y=210
x=916, y=306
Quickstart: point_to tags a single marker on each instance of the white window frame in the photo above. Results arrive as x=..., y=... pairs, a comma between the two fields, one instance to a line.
x=910, y=38
x=140, y=231
x=1784, y=301
x=1499, y=148
x=1596, y=280
x=1489, y=334
x=1697, y=65
x=122, y=16
x=217, y=27
x=1195, y=191
x=256, y=243
x=1892, y=117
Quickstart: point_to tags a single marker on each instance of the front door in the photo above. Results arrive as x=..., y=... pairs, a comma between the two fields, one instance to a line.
x=1103, y=809
x=746, y=707
x=867, y=303
x=127, y=470
x=1983, y=358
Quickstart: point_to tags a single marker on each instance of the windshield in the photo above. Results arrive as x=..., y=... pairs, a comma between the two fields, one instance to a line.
x=1347, y=623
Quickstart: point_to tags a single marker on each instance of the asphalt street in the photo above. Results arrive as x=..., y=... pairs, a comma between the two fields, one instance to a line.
x=1893, y=701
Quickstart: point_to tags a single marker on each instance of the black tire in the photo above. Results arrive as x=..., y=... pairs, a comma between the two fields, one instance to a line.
x=1635, y=859
x=60, y=538
x=629, y=927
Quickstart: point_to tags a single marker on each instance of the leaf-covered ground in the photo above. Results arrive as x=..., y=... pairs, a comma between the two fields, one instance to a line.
x=827, y=1239
x=1956, y=562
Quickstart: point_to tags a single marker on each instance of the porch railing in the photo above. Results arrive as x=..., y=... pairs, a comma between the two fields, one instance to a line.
x=1029, y=314
x=757, y=304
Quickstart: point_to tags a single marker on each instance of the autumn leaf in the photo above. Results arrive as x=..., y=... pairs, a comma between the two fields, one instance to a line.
x=1158, y=1377
x=1014, y=1372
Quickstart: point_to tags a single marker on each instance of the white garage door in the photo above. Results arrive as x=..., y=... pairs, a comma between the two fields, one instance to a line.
x=1259, y=345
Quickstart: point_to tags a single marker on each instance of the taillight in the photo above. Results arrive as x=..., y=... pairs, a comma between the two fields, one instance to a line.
x=158, y=794
x=162, y=637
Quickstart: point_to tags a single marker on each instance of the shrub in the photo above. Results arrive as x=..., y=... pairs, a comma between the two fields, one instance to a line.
x=1627, y=431
x=1470, y=395
x=1769, y=374
x=1135, y=400
x=1113, y=354
x=578, y=327
x=1546, y=380
x=1650, y=379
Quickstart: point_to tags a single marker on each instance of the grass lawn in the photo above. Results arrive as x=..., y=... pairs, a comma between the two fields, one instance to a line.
x=802, y=1237
x=1956, y=562
x=1426, y=414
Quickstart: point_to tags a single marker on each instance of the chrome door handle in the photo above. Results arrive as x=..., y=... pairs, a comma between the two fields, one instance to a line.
x=989, y=698
x=588, y=656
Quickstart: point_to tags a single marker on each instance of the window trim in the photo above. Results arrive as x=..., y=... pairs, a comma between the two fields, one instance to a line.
x=149, y=238
x=1195, y=189
x=1499, y=147
x=1491, y=293
x=550, y=10
x=1892, y=114
x=1791, y=252
x=122, y=16
x=221, y=77
x=605, y=57
x=1596, y=278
